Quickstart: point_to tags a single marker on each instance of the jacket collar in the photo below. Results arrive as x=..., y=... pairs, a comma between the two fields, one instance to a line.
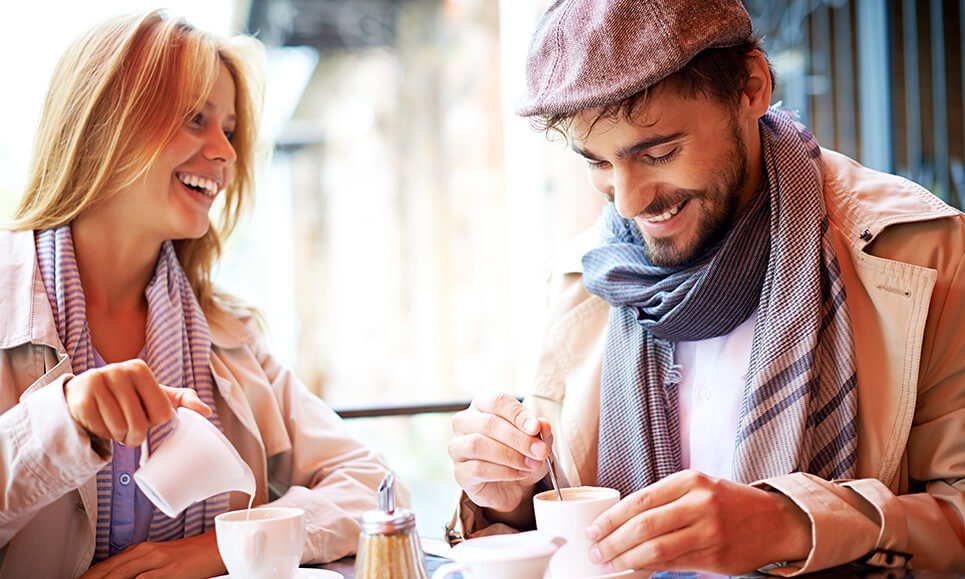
x=25, y=314
x=862, y=202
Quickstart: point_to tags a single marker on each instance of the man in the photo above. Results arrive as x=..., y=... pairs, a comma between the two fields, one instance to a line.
x=763, y=349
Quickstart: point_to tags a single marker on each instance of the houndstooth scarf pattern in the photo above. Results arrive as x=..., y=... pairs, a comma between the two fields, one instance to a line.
x=178, y=345
x=800, y=398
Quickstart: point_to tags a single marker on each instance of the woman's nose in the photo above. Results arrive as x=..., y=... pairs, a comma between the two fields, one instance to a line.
x=218, y=147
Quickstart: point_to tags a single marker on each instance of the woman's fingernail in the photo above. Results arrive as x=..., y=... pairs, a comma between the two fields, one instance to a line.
x=593, y=532
x=538, y=448
x=531, y=425
x=595, y=556
x=531, y=463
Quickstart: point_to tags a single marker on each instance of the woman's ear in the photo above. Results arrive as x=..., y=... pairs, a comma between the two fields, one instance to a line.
x=757, y=92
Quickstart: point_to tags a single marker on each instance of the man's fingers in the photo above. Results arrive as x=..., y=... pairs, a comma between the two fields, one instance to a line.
x=497, y=428
x=659, y=493
x=510, y=409
x=646, y=526
x=187, y=398
x=474, y=473
x=481, y=447
x=671, y=552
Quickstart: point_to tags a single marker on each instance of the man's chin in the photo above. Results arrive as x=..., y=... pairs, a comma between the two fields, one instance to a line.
x=669, y=255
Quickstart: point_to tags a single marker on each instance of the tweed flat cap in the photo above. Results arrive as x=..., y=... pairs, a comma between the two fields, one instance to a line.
x=590, y=53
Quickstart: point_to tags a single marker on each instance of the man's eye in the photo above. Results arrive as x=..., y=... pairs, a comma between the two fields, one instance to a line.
x=657, y=160
x=597, y=164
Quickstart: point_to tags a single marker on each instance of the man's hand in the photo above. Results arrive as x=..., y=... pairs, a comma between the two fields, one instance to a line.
x=496, y=453
x=694, y=522
x=122, y=401
x=188, y=558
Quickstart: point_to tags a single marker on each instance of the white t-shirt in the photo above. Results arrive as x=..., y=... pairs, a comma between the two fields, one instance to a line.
x=711, y=389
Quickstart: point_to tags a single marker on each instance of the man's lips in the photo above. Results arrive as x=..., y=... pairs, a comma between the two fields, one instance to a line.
x=666, y=215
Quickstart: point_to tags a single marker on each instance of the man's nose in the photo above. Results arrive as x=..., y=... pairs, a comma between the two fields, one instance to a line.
x=632, y=192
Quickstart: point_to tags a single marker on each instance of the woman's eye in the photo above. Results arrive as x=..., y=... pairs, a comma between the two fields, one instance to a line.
x=196, y=119
x=229, y=134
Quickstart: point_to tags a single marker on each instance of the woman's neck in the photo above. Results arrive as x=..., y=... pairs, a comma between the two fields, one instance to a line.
x=115, y=264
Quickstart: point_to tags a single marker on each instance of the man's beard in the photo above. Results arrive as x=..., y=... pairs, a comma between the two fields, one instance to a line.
x=718, y=206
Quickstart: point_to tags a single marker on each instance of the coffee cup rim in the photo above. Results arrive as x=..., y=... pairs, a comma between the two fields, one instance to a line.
x=540, y=544
x=237, y=516
x=605, y=493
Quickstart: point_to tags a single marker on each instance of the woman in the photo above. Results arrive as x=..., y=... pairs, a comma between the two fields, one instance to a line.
x=108, y=318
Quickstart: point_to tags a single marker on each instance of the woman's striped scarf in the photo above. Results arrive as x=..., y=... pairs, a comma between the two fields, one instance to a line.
x=800, y=398
x=178, y=346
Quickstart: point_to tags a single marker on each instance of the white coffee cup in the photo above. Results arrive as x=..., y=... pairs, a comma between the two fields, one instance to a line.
x=514, y=556
x=569, y=519
x=262, y=543
x=194, y=462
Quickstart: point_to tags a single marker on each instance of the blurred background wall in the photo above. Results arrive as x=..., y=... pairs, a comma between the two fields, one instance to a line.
x=405, y=222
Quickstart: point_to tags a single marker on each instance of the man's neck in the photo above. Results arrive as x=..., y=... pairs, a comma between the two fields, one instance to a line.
x=754, y=180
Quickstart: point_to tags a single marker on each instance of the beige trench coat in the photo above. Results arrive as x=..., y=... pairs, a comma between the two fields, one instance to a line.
x=901, y=253
x=298, y=449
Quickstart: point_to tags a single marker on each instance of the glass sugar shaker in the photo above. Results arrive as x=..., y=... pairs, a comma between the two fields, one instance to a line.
x=388, y=544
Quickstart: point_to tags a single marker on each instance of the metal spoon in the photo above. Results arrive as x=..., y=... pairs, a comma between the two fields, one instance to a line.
x=552, y=469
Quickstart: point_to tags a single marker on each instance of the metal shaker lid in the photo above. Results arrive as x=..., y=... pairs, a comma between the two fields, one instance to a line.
x=387, y=518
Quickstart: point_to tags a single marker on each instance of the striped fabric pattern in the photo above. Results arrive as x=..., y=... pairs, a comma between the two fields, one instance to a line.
x=800, y=399
x=178, y=345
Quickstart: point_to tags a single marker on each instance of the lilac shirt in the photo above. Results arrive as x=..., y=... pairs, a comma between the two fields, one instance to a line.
x=131, y=511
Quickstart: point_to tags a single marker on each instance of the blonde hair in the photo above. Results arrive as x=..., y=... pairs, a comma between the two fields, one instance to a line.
x=117, y=96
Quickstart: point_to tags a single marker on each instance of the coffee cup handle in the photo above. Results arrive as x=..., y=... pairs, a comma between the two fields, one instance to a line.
x=254, y=547
x=448, y=569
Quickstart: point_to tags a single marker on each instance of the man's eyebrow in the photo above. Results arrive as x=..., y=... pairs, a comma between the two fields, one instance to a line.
x=584, y=153
x=632, y=150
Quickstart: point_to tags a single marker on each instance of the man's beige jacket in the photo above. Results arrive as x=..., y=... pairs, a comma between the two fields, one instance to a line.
x=901, y=254
x=299, y=450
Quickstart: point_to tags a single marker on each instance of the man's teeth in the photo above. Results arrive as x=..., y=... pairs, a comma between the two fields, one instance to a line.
x=207, y=186
x=665, y=216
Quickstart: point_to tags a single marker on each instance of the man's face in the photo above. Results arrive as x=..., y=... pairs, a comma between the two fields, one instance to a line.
x=679, y=170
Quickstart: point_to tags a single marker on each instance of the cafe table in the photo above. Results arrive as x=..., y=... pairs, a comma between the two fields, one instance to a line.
x=436, y=550
x=345, y=567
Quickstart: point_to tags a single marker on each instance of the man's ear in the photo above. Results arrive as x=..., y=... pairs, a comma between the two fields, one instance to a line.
x=756, y=95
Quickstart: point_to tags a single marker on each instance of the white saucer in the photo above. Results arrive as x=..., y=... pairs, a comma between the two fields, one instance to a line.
x=306, y=573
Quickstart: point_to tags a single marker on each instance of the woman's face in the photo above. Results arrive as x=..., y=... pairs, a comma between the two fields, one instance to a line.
x=174, y=196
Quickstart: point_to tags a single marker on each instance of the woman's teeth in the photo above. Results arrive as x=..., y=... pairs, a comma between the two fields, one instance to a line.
x=665, y=216
x=201, y=184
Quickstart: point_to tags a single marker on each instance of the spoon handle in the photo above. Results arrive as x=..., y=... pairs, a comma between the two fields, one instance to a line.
x=552, y=470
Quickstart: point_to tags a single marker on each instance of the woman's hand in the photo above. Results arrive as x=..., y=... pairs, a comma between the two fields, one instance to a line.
x=188, y=558
x=122, y=401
